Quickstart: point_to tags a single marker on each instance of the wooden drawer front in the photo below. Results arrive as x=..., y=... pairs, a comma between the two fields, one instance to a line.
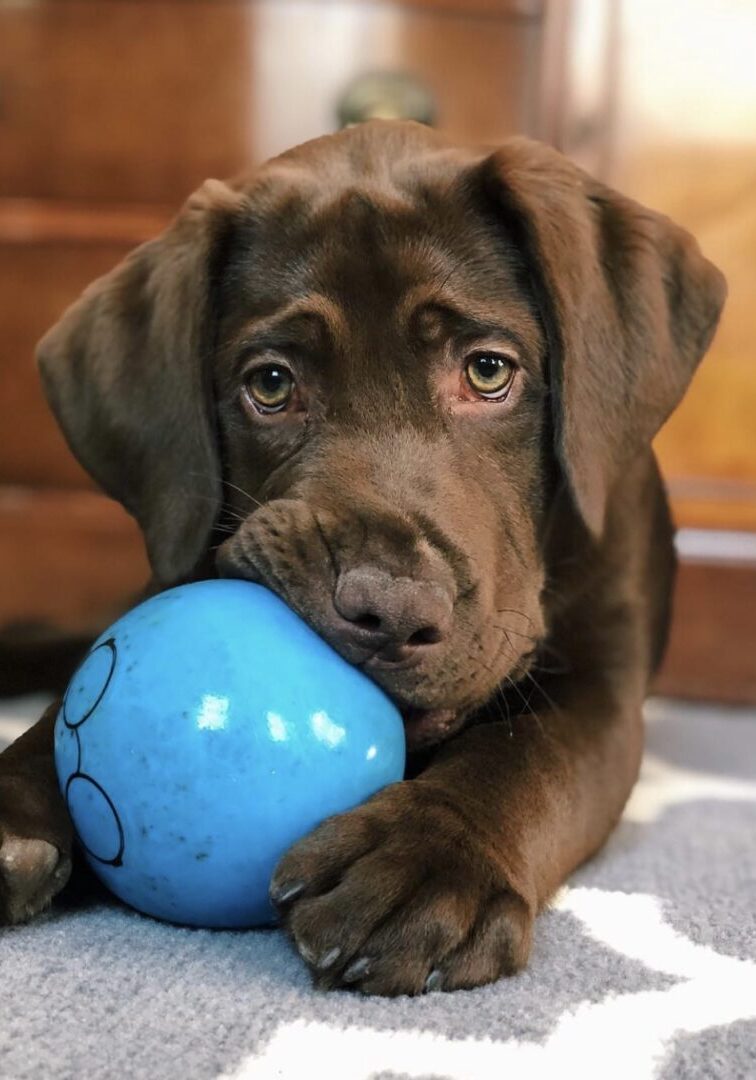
x=39, y=281
x=122, y=100
x=712, y=647
x=134, y=101
x=72, y=560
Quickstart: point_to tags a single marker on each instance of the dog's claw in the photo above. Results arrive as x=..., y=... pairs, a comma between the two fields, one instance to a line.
x=307, y=954
x=329, y=958
x=284, y=894
x=357, y=970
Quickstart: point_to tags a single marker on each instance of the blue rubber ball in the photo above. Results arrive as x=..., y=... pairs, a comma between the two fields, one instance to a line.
x=204, y=733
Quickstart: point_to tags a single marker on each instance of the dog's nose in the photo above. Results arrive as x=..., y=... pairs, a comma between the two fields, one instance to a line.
x=392, y=616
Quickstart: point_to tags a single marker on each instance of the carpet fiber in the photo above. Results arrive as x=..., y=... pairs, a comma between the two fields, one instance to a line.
x=644, y=967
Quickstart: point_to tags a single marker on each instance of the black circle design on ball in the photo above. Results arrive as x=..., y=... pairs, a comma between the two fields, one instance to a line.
x=117, y=859
x=111, y=646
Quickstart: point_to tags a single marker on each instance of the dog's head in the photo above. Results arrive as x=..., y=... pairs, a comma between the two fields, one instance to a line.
x=362, y=375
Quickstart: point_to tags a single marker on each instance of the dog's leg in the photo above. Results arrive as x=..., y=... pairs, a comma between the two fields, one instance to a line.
x=35, y=829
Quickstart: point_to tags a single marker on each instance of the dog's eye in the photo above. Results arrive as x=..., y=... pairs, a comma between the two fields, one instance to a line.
x=489, y=374
x=269, y=388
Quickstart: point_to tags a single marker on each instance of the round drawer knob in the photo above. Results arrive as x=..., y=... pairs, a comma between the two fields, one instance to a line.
x=386, y=96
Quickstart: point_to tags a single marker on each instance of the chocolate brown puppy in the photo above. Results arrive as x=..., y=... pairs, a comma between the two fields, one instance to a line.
x=412, y=388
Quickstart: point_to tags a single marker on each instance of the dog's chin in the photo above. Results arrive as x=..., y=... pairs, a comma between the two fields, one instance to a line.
x=424, y=728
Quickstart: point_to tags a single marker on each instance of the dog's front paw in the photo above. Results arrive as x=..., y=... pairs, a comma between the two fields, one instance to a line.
x=400, y=896
x=32, y=872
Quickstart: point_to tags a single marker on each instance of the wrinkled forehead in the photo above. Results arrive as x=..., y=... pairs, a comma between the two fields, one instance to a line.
x=374, y=247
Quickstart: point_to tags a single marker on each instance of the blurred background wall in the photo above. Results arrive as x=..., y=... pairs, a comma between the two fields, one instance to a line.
x=112, y=111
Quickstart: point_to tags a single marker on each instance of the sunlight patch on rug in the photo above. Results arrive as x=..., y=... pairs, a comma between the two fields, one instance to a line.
x=662, y=785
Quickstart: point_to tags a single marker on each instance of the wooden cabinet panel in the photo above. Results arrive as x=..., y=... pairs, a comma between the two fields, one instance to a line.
x=123, y=100
x=71, y=560
x=712, y=647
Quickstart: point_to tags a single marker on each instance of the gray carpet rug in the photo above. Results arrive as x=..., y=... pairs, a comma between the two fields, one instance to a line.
x=645, y=967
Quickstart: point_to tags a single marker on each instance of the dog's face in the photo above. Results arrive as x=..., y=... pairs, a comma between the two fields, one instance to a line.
x=361, y=376
x=381, y=398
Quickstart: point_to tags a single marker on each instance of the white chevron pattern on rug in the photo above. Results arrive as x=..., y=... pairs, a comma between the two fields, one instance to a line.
x=624, y=1036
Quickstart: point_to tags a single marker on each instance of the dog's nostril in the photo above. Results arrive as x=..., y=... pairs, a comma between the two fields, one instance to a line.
x=427, y=635
x=384, y=612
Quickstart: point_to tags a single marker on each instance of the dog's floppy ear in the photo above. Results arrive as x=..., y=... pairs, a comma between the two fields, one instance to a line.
x=629, y=305
x=125, y=372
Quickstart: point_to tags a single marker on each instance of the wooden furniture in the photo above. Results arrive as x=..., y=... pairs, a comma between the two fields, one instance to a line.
x=111, y=113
